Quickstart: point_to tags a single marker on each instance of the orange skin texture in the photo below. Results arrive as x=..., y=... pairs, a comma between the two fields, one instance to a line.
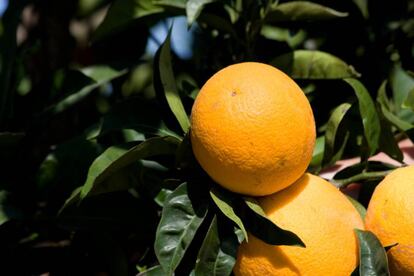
x=322, y=217
x=252, y=129
x=390, y=216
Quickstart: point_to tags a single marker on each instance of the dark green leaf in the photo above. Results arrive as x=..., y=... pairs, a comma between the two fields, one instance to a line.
x=388, y=143
x=113, y=211
x=136, y=114
x=226, y=202
x=302, y=11
x=331, y=132
x=123, y=12
x=99, y=74
x=261, y=227
x=194, y=8
x=372, y=256
x=163, y=72
x=358, y=206
x=308, y=64
x=217, y=254
x=117, y=157
x=180, y=219
x=369, y=115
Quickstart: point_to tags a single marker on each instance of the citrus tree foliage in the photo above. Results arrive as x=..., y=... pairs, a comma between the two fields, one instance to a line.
x=97, y=168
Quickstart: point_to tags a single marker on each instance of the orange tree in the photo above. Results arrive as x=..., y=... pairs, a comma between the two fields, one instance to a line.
x=98, y=174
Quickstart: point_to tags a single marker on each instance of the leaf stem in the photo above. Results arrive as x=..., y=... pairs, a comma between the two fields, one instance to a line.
x=342, y=183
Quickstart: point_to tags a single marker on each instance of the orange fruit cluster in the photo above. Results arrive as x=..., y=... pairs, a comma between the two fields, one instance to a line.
x=253, y=132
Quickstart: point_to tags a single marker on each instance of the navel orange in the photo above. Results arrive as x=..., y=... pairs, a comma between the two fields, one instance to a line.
x=252, y=129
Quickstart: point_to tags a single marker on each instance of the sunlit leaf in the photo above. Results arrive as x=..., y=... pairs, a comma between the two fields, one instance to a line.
x=117, y=157
x=372, y=256
x=309, y=64
x=226, y=202
x=217, y=254
x=180, y=219
x=302, y=11
x=369, y=115
x=194, y=8
x=165, y=84
x=99, y=74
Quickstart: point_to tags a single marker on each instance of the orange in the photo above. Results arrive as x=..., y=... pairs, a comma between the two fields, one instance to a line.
x=325, y=221
x=390, y=216
x=252, y=129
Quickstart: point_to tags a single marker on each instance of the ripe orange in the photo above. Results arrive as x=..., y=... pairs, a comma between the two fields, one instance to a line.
x=325, y=221
x=390, y=216
x=252, y=129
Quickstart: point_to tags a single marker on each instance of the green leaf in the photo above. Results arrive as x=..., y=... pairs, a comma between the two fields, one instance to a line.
x=263, y=228
x=383, y=102
x=153, y=271
x=194, y=8
x=174, y=4
x=137, y=114
x=401, y=85
x=363, y=7
x=226, y=202
x=369, y=115
x=309, y=64
x=358, y=206
x=117, y=157
x=124, y=12
x=180, y=219
x=388, y=143
x=409, y=101
x=99, y=74
x=372, y=256
x=164, y=75
x=302, y=11
x=331, y=134
x=218, y=252
x=317, y=154
x=293, y=39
